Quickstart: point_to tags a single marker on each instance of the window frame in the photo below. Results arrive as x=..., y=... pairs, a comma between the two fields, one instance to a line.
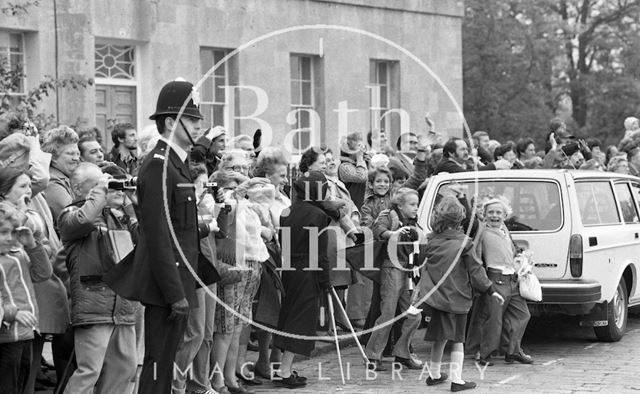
x=615, y=200
x=298, y=138
x=634, y=199
x=472, y=184
x=22, y=52
x=112, y=80
x=384, y=121
x=213, y=104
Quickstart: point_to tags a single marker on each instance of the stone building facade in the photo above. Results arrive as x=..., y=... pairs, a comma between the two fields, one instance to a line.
x=306, y=70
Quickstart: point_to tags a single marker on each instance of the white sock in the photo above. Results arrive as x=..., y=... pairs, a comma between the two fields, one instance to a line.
x=457, y=358
x=434, y=370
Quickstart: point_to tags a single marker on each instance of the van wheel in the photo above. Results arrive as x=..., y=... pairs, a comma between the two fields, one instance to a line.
x=616, y=315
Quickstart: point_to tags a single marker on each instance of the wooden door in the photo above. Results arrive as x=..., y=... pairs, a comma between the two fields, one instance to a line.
x=114, y=104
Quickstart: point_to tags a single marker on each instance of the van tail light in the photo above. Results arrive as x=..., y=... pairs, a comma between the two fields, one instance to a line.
x=575, y=255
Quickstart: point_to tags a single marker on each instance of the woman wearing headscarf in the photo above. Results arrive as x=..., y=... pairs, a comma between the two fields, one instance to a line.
x=303, y=223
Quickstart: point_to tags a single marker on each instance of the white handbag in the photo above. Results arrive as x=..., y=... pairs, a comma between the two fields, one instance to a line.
x=530, y=288
x=528, y=283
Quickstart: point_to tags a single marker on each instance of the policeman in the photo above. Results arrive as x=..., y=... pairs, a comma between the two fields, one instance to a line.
x=156, y=274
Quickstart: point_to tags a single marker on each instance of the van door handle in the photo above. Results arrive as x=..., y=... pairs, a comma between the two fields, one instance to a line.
x=636, y=235
x=593, y=241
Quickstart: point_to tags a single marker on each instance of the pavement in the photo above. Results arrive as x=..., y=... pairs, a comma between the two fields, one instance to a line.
x=568, y=359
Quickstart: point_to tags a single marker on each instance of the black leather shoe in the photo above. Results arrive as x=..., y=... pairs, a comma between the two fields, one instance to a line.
x=484, y=362
x=291, y=382
x=247, y=381
x=409, y=363
x=462, y=387
x=376, y=365
x=520, y=357
x=432, y=382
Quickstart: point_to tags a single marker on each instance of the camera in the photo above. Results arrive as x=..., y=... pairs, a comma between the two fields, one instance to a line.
x=123, y=184
x=212, y=187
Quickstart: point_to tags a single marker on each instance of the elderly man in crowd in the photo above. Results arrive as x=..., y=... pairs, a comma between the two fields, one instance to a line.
x=104, y=322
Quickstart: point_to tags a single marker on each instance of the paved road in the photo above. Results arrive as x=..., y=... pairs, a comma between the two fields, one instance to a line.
x=568, y=359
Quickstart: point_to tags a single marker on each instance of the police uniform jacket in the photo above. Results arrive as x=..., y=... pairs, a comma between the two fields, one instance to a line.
x=157, y=274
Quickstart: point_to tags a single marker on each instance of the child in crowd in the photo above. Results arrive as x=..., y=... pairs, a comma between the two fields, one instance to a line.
x=398, y=225
x=379, y=196
x=497, y=250
x=23, y=261
x=450, y=282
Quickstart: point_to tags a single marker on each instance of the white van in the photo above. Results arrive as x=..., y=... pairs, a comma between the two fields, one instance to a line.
x=583, y=228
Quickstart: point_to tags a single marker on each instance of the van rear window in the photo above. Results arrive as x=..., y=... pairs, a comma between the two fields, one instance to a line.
x=535, y=204
x=597, y=203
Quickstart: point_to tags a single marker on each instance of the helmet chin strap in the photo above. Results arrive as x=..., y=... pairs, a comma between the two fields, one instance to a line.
x=187, y=133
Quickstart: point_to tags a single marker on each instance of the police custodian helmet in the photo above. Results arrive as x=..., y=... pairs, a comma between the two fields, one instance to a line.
x=173, y=96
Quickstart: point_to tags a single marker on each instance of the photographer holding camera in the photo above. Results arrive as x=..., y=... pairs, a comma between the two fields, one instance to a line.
x=104, y=322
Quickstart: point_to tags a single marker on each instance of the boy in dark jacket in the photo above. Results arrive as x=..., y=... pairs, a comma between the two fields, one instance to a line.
x=104, y=322
x=398, y=226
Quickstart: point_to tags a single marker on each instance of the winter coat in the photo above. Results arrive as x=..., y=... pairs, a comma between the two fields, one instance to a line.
x=82, y=229
x=51, y=294
x=19, y=269
x=454, y=294
x=354, y=175
x=58, y=193
x=127, y=161
x=302, y=286
x=391, y=220
x=373, y=205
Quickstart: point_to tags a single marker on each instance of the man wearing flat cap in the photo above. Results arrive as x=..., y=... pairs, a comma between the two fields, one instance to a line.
x=156, y=274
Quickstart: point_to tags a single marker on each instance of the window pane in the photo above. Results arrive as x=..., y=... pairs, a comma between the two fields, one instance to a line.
x=218, y=115
x=382, y=73
x=218, y=56
x=304, y=118
x=303, y=139
x=16, y=60
x=294, y=70
x=219, y=89
x=207, y=90
x=15, y=42
x=535, y=204
x=295, y=93
x=207, y=112
x=114, y=61
x=629, y=213
x=597, y=204
x=206, y=60
x=383, y=97
x=306, y=93
x=305, y=65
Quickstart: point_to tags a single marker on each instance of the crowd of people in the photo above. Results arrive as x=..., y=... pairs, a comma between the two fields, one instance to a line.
x=115, y=258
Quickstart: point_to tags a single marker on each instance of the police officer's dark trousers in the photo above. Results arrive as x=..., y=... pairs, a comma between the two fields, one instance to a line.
x=161, y=339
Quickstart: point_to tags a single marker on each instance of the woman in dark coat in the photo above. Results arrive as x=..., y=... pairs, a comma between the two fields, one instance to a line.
x=303, y=289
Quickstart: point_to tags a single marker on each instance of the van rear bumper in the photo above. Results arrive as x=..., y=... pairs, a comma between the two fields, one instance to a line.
x=570, y=291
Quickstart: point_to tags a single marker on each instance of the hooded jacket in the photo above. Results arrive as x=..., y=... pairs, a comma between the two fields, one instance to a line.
x=19, y=269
